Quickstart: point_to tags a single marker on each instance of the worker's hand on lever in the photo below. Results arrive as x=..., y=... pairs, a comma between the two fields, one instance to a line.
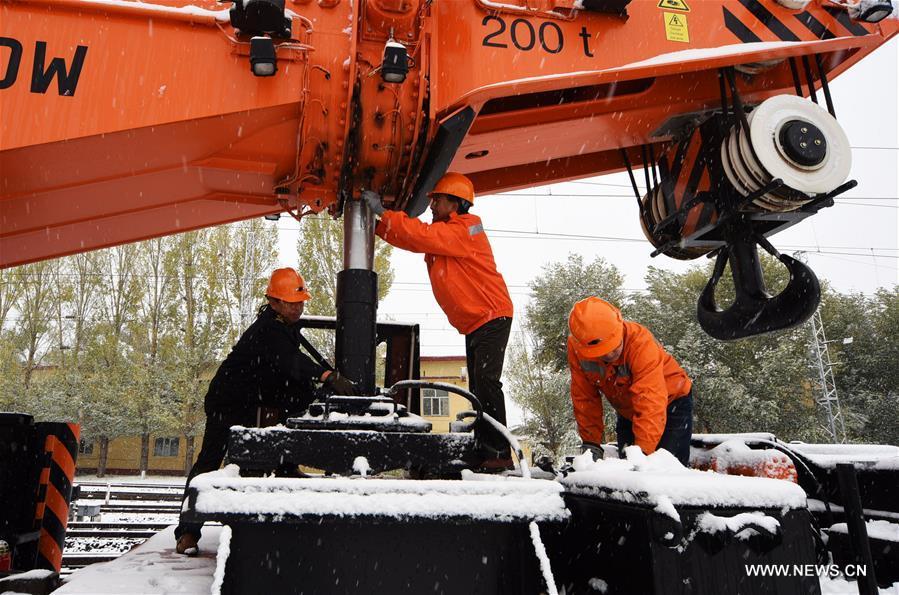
x=341, y=385
x=373, y=199
x=595, y=451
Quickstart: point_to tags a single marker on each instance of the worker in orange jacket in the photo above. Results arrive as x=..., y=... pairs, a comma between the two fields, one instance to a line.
x=620, y=359
x=466, y=284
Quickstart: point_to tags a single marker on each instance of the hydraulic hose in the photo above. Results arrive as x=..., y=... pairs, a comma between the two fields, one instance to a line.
x=451, y=388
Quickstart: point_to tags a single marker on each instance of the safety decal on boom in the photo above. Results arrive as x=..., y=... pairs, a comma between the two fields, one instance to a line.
x=674, y=5
x=676, y=28
x=827, y=23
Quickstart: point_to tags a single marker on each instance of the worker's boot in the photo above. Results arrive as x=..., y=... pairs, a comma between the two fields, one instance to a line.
x=187, y=545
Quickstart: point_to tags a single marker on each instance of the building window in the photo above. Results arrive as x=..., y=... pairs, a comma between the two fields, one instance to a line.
x=165, y=447
x=85, y=448
x=434, y=402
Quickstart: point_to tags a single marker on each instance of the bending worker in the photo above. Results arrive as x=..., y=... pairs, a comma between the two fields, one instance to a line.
x=265, y=370
x=623, y=361
x=466, y=284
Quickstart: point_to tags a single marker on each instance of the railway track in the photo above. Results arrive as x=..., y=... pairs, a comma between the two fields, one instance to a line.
x=154, y=493
x=107, y=526
x=92, y=541
x=173, y=507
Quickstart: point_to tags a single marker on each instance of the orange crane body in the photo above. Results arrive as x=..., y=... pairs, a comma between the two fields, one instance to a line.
x=123, y=121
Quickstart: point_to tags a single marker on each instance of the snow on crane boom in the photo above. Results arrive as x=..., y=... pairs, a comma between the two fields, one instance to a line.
x=129, y=120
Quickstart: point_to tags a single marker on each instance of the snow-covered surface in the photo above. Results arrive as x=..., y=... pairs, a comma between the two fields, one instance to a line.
x=884, y=530
x=115, y=480
x=738, y=525
x=839, y=586
x=503, y=499
x=659, y=478
x=819, y=506
x=731, y=452
x=683, y=56
x=385, y=417
x=152, y=567
x=875, y=456
x=719, y=438
x=221, y=560
x=735, y=457
x=666, y=507
x=746, y=52
x=361, y=466
x=219, y=15
x=31, y=575
x=543, y=558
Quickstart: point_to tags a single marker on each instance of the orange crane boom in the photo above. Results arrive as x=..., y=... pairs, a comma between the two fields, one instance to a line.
x=127, y=120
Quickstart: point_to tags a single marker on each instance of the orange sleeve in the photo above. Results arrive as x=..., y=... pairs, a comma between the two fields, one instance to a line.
x=649, y=395
x=586, y=401
x=408, y=233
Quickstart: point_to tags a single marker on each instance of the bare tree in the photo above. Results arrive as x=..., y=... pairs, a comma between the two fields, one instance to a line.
x=542, y=393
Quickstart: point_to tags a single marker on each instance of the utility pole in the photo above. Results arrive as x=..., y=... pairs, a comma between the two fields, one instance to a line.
x=245, y=297
x=827, y=396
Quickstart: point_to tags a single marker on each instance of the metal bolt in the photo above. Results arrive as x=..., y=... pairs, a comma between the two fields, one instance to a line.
x=818, y=141
x=803, y=144
x=804, y=129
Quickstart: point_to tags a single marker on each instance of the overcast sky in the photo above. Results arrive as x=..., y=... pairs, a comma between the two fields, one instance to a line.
x=854, y=245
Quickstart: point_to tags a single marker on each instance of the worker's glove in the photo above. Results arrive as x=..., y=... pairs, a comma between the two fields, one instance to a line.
x=595, y=451
x=340, y=385
x=373, y=199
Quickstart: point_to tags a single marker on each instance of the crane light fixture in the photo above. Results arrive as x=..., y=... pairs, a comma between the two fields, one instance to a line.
x=263, y=61
x=395, y=64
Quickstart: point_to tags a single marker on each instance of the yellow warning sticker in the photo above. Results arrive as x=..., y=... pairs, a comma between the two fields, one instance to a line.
x=674, y=5
x=676, y=27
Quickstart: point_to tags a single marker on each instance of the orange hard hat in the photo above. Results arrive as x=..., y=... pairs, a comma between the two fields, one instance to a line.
x=456, y=185
x=287, y=285
x=596, y=327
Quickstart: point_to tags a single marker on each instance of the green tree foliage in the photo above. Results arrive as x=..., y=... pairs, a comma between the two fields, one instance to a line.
x=765, y=383
x=319, y=259
x=538, y=364
x=756, y=384
x=542, y=393
x=556, y=291
x=867, y=369
x=202, y=323
x=35, y=306
x=251, y=258
x=124, y=340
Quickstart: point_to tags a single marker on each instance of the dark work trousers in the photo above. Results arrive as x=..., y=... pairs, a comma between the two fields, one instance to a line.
x=485, y=350
x=678, y=429
x=212, y=453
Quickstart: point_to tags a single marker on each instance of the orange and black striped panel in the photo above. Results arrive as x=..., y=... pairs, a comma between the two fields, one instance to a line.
x=752, y=22
x=685, y=174
x=55, y=490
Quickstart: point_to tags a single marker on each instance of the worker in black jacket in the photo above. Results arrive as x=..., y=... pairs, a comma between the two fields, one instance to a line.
x=265, y=373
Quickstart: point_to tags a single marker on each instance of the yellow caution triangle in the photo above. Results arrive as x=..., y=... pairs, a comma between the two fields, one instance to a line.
x=674, y=5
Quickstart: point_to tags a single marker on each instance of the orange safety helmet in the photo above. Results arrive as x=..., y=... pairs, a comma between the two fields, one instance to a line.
x=596, y=327
x=287, y=285
x=456, y=185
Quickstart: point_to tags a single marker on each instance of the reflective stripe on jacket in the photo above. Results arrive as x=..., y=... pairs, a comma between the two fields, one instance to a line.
x=460, y=263
x=639, y=384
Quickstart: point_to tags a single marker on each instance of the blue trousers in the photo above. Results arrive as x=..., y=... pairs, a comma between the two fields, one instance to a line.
x=678, y=429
